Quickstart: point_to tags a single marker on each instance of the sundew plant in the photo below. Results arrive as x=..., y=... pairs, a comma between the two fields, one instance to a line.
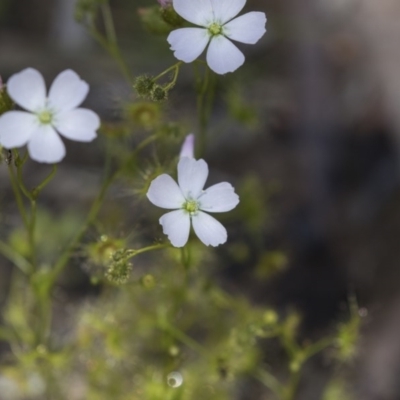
x=160, y=322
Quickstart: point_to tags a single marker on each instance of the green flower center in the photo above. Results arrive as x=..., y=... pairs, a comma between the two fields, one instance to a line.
x=45, y=117
x=191, y=206
x=215, y=29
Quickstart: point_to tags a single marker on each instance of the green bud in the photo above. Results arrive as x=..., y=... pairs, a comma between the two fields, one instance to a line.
x=119, y=269
x=100, y=252
x=144, y=114
x=6, y=104
x=144, y=85
x=153, y=20
x=170, y=16
x=119, y=272
x=270, y=317
x=173, y=351
x=159, y=93
x=148, y=281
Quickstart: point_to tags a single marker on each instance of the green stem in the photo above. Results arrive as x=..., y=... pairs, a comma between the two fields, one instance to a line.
x=291, y=390
x=18, y=196
x=270, y=382
x=182, y=337
x=109, y=23
x=31, y=234
x=145, y=143
x=16, y=258
x=132, y=253
x=113, y=51
x=62, y=261
x=45, y=182
x=202, y=112
x=173, y=67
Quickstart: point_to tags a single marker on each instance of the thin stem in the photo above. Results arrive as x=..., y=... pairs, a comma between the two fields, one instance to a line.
x=202, y=112
x=114, y=52
x=45, y=182
x=145, y=143
x=269, y=381
x=21, y=184
x=16, y=258
x=62, y=261
x=17, y=195
x=109, y=23
x=291, y=390
x=132, y=253
x=31, y=233
x=175, y=66
x=185, y=339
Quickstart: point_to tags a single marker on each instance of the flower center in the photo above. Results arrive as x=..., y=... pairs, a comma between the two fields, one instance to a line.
x=45, y=117
x=215, y=29
x=191, y=206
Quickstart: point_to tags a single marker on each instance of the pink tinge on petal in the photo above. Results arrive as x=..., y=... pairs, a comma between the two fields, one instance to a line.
x=187, y=149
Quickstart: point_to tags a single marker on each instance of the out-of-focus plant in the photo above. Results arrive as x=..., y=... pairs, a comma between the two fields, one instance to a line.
x=161, y=326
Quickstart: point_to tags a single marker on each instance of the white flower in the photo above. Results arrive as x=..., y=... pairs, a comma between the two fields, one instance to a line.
x=187, y=149
x=215, y=18
x=47, y=114
x=189, y=201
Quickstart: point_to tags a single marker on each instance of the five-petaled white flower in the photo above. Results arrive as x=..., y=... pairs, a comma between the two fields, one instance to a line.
x=218, y=26
x=189, y=201
x=46, y=115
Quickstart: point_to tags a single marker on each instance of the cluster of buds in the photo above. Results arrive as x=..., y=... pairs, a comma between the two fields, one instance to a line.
x=147, y=88
x=119, y=268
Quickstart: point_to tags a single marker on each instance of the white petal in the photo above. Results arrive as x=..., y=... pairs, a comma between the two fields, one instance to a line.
x=176, y=225
x=208, y=229
x=223, y=56
x=198, y=12
x=46, y=145
x=219, y=198
x=248, y=28
x=67, y=91
x=187, y=149
x=16, y=127
x=165, y=193
x=79, y=124
x=225, y=10
x=192, y=176
x=188, y=43
x=28, y=89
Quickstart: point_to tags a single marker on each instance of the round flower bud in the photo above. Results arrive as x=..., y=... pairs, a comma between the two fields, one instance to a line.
x=159, y=93
x=144, y=85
